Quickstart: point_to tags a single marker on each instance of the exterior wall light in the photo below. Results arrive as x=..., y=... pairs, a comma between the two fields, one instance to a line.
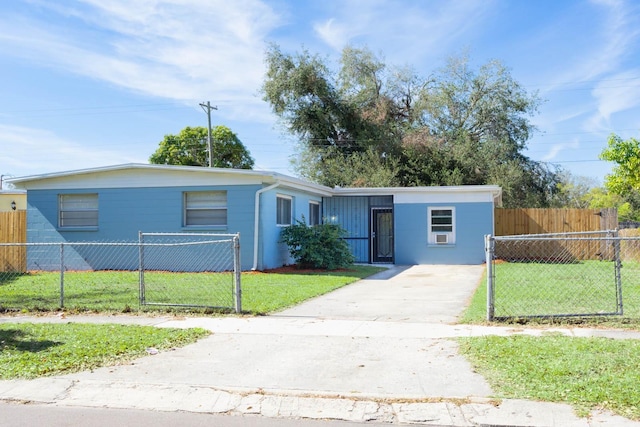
x=13, y=205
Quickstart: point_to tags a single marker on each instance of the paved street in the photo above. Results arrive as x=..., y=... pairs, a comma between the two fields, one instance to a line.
x=23, y=415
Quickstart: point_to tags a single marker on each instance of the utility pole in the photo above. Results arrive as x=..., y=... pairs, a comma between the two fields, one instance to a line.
x=207, y=109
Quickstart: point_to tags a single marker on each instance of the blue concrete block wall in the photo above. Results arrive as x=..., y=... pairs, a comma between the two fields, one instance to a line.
x=122, y=213
x=273, y=252
x=473, y=221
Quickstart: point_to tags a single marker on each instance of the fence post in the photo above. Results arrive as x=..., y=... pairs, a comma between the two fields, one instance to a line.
x=237, y=267
x=618, y=268
x=488, y=250
x=141, y=295
x=61, y=275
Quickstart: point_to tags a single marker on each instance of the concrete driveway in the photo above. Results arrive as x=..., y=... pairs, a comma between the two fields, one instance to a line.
x=420, y=293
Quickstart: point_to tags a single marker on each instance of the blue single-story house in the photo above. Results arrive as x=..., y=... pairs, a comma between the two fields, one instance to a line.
x=415, y=225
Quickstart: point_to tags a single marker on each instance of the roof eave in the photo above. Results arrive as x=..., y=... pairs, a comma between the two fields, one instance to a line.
x=265, y=176
x=494, y=189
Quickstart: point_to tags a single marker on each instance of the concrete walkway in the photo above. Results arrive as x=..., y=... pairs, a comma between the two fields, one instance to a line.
x=377, y=350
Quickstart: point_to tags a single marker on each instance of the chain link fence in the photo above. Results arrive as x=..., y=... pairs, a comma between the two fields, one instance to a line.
x=160, y=269
x=563, y=275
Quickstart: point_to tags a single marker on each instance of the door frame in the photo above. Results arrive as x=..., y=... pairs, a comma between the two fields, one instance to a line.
x=373, y=230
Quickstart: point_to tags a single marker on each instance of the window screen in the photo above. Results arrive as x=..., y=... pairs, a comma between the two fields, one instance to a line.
x=78, y=210
x=283, y=211
x=205, y=208
x=442, y=220
x=314, y=213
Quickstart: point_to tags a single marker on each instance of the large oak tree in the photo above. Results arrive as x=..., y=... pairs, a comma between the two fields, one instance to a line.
x=372, y=125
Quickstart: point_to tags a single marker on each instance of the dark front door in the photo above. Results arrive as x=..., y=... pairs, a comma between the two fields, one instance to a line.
x=381, y=235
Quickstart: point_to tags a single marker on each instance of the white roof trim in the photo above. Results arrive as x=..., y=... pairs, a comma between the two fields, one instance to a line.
x=193, y=169
x=432, y=189
x=264, y=176
x=273, y=177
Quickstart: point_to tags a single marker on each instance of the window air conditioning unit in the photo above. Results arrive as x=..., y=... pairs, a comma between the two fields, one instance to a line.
x=442, y=239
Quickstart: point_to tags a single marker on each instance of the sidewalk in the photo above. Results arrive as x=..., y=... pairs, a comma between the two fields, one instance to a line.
x=358, y=364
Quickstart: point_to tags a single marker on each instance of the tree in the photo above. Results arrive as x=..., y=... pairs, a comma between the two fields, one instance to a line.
x=458, y=126
x=359, y=169
x=575, y=191
x=626, y=173
x=599, y=197
x=189, y=148
x=334, y=135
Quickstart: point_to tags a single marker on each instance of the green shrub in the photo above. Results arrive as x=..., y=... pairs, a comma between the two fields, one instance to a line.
x=318, y=246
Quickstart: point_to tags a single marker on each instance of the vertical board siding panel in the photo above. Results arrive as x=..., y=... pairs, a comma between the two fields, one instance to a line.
x=352, y=214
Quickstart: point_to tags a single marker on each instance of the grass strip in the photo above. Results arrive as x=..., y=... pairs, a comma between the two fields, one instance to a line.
x=30, y=350
x=118, y=291
x=587, y=373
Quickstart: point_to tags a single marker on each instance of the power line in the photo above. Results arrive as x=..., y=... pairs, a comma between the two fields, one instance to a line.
x=575, y=161
x=588, y=132
x=97, y=107
x=578, y=82
x=68, y=112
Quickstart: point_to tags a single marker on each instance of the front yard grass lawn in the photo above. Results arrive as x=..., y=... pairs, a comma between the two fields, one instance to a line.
x=587, y=373
x=118, y=291
x=30, y=350
x=547, y=289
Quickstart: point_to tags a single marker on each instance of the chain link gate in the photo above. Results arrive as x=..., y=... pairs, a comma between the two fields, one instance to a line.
x=200, y=270
x=561, y=275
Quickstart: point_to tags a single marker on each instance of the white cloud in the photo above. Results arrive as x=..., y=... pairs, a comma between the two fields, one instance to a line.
x=612, y=42
x=557, y=148
x=335, y=35
x=619, y=92
x=176, y=49
x=405, y=30
x=33, y=151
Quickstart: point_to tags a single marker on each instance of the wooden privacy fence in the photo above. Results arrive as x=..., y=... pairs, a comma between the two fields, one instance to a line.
x=13, y=229
x=630, y=249
x=510, y=222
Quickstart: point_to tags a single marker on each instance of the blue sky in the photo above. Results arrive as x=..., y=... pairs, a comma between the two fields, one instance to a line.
x=91, y=83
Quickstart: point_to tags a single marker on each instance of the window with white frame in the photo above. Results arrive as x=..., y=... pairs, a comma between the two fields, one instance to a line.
x=441, y=225
x=314, y=213
x=78, y=210
x=205, y=208
x=283, y=214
